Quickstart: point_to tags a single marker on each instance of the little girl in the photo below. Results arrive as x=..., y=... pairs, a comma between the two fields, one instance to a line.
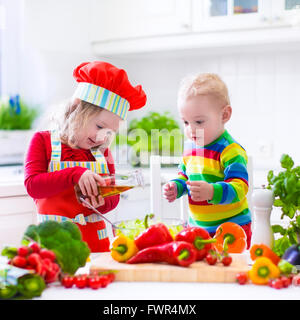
x=77, y=154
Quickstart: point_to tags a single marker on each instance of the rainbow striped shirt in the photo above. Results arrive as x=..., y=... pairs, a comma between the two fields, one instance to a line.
x=223, y=163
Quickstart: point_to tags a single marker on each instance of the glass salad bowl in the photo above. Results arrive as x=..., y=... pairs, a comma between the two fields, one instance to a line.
x=132, y=228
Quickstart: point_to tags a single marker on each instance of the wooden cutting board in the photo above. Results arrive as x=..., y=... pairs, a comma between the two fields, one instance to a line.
x=197, y=272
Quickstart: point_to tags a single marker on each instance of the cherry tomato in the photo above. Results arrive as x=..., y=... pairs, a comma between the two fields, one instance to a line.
x=81, y=281
x=23, y=251
x=104, y=280
x=226, y=260
x=271, y=283
x=277, y=284
x=242, y=278
x=211, y=259
x=286, y=281
x=296, y=280
x=67, y=281
x=19, y=261
x=45, y=253
x=94, y=282
x=111, y=277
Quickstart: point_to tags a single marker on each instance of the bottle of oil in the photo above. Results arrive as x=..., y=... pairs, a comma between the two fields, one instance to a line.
x=116, y=184
x=106, y=191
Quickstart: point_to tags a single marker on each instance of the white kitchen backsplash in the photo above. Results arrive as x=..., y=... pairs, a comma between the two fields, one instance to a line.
x=264, y=89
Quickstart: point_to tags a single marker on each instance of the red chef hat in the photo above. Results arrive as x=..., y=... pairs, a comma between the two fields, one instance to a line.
x=108, y=87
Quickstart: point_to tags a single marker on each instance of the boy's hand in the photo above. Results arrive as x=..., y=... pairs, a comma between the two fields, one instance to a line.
x=170, y=191
x=201, y=190
x=88, y=185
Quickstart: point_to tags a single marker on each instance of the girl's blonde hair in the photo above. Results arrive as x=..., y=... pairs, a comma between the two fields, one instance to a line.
x=203, y=84
x=76, y=116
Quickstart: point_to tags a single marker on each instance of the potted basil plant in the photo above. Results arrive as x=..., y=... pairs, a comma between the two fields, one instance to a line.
x=16, y=119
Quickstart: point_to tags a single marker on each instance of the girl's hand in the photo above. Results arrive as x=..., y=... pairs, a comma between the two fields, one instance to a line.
x=201, y=190
x=88, y=184
x=170, y=191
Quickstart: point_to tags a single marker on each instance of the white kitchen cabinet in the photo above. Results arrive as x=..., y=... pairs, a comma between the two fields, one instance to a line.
x=16, y=213
x=119, y=19
x=219, y=15
x=215, y=15
x=286, y=12
x=176, y=27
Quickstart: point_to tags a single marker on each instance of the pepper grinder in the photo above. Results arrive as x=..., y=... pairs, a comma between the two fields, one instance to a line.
x=262, y=200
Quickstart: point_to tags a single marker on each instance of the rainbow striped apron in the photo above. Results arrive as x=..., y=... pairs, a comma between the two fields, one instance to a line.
x=65, y=207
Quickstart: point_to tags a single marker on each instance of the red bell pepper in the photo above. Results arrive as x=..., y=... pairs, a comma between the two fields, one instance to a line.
x=199, y=238
x=154, y=235
x=176, y=252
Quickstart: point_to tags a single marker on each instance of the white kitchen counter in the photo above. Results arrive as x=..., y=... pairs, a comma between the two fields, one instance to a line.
x=172, y=291
x=120, y=290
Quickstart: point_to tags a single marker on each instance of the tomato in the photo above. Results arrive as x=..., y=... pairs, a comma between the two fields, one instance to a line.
x=242, y=278
x=81, y=281
x=94, y=282
x=67, y=281
x=23, y=251
x=226, y=261
x=271, y=283
x=47, y=254
x=277, y=284
x=111, y=277
x=286, y=281
x=104, y=280
x=296, y=280
x=211, y=259
x=19, y=261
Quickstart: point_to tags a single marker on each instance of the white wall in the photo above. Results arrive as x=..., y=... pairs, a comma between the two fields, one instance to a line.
x=264, y=89
x=264, y=86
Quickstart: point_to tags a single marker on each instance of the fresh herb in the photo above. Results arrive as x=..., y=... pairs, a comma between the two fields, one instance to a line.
x=15, y=114
x=286, y=189
x=156, y=133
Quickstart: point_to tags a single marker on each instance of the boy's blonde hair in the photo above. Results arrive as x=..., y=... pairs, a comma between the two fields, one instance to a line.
x=76, y=116
x=203, y=84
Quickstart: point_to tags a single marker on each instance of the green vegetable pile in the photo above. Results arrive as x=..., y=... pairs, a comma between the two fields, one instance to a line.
x=27, y=287
x=132, y=228
x=286, y=189
x=64, y=239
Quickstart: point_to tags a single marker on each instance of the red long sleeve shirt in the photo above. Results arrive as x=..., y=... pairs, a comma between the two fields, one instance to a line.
x=40, y=183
